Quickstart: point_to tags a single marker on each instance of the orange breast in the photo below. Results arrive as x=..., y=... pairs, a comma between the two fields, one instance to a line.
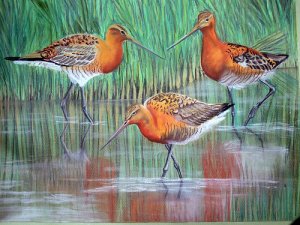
x=152, y=135
x=108, y=58
x=160, y=128
x=213, y=60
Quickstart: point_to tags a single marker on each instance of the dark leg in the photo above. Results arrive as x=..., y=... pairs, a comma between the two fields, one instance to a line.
x=166, y=166
x=176, y=164
x=256, y=107
x=177, y=167
x=64, y=101
x=83, y=105
x=232, y=108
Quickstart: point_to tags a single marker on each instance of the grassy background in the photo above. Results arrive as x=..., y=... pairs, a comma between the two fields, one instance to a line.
x=29, y=25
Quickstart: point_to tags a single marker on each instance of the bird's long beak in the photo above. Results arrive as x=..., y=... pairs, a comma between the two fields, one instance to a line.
x=124, y=125
x=185, y=36
x=131, y=39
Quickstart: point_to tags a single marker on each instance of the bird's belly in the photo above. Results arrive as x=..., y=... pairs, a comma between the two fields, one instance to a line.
x=238, y=80
x=181, y=135
x=79, y=75
x=168, y=133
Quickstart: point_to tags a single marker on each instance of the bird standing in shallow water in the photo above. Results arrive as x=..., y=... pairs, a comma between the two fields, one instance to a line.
x=82, y=57
x=170, y=118
x=233, y=65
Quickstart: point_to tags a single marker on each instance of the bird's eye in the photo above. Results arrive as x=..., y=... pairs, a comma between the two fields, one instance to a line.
x=207, y=19
x=122, y=32
x=134, y=113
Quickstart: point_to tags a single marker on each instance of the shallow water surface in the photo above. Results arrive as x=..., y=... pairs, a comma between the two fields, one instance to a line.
x=53, y=171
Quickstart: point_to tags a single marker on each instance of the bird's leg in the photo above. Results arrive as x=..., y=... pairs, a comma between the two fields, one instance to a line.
x=166, y=166
x=232, y=108
x=256, y=107
x=177, y=167
x=64, y=101
x=62, y=140
x=83, y=105
x=176, y=164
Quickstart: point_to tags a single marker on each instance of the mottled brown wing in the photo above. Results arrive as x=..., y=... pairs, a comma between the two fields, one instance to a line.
x=250, y=58
x=75, y=50
x=185, y=109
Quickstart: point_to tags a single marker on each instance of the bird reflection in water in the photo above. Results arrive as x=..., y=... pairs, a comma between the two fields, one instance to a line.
x=247, y=131
x=221, y=165
x=79, y=156
x=192, y=200
x=99, y=172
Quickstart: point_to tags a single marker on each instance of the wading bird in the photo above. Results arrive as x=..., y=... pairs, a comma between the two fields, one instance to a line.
x=233, y=65
x=82, y=57
x=170, y=118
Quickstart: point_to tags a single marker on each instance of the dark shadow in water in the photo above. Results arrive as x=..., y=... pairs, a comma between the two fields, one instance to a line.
x=180, y=189
x=249, y=130
x=67, y=153
x=237, y=135
x=166, y=188
x=259, y=138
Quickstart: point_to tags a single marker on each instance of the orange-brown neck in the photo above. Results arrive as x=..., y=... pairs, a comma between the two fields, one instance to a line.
x=112, y=56
x=148, y=126
x=209, y=33
x=212, y=56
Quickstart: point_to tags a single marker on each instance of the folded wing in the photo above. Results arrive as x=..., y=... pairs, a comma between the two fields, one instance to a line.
x=185, y=109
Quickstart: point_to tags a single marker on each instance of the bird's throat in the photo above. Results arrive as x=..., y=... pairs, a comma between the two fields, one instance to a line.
x=212, y=55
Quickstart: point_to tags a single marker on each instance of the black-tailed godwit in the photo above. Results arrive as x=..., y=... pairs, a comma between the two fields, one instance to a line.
x=82, y=57
x=233, y=65
x=170, y=118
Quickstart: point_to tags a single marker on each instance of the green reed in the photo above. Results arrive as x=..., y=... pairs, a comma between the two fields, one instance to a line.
x=27, y=26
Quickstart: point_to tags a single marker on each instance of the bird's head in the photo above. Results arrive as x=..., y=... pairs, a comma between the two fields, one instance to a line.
x=135, y=113
x=205, y=19
x=118, y=34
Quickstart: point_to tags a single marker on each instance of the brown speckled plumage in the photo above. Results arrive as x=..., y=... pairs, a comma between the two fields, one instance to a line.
x=185, y=109
x=75, y=50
